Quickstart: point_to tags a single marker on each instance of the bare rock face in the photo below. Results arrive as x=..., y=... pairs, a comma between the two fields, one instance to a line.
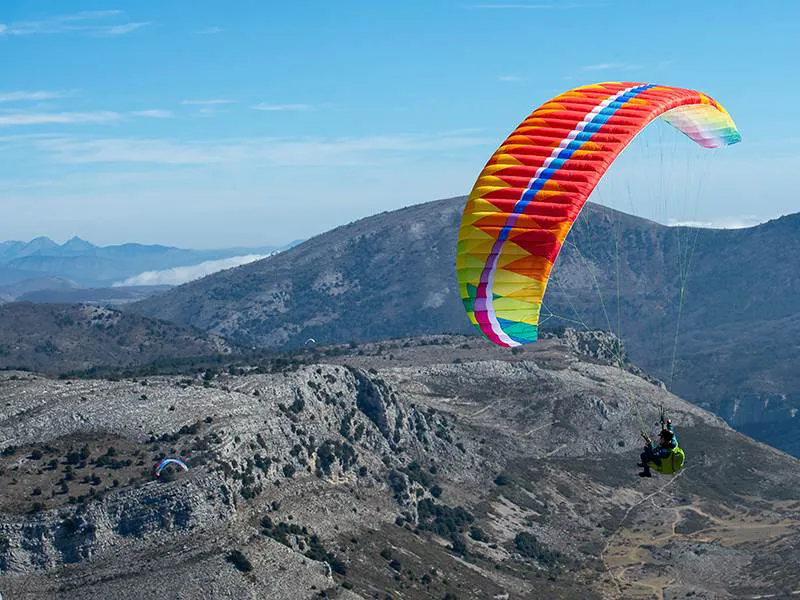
x=599, y=345
x=73, y=535
x=415, y=468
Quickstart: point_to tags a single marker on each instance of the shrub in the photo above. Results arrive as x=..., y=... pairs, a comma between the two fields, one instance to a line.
x=441, y=519
x=240, y=561
x=477, y=534
x=318, y=552
x=527, y=545
x=457, y=545
x=501, y=480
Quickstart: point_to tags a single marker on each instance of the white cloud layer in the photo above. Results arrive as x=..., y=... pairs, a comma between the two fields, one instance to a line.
x=180, y=275
x=721, y=223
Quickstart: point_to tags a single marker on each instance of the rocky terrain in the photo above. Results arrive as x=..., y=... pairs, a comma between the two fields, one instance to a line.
x=393, y=275
x=57, y=339
x=432, y=467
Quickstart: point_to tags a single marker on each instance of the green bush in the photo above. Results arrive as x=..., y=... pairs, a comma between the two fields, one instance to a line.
x=501, y=480
x=240, y=561
x=442, y=519
x=530, y=547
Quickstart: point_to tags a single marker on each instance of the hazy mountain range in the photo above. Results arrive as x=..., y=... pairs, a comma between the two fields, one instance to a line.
x=42, y=265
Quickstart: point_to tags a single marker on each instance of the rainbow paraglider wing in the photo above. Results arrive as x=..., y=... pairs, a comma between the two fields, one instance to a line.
x=533, y=187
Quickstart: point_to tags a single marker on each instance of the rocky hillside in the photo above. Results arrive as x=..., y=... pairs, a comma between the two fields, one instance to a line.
x=387, y=276
x=59, y=338
x=393, y=275
x=436, y=467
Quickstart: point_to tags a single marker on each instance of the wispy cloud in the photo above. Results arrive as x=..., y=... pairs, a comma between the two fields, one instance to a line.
x=126, y=28
x=27, y=118
x=265, y=151
x=154, y=113
x=208, y=102
x=538, y=6
x=509, y=78
x=88, y=22
x=180, y=275
x=611, y=66
x=720, y=223
x=210, y=30
x=281, y=107
x=91, y=14
x=21, y=96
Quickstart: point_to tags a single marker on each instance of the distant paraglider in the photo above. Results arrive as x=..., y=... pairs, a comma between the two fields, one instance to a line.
x=170, y=461
x=310, y=341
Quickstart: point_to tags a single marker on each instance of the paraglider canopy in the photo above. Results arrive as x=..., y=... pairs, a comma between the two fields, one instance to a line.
x=530, y=192
x=170, y=461
x=310, y=341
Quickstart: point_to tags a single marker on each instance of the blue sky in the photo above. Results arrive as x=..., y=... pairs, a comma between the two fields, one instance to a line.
x=208, y=124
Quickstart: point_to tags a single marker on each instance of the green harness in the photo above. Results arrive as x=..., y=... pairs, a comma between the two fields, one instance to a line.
x=670, y=464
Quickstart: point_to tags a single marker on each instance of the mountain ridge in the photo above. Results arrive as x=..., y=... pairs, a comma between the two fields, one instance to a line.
x=56, y=339
x=392, y=275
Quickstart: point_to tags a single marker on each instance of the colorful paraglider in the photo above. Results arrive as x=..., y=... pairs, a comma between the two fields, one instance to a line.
x=170, y=461
x=534, y=186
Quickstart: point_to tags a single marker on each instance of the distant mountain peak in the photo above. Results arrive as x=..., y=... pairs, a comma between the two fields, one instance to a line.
x=39, y=244
x=76, y=244
x=42, y=240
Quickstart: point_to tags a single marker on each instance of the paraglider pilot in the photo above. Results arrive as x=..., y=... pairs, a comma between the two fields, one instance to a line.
x=654, y=454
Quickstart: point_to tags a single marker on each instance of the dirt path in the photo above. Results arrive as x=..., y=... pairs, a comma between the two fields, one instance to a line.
x=627, y=555
x=618, y=582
